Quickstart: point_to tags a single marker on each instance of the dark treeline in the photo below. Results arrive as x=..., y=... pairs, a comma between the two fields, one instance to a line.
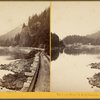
x=81, y=39
x=55, y=41
x=57, y=46
x=72, y=39
x=35, y=34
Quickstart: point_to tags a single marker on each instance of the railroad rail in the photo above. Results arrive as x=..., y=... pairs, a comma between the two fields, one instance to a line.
x=39, y=78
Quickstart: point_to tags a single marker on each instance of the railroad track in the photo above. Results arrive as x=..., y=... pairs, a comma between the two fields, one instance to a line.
x=40, y=79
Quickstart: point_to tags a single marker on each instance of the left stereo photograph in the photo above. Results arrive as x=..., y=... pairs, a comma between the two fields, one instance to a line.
x=24, y=46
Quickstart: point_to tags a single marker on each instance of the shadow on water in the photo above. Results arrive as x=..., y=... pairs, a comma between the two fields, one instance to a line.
x=55, y=53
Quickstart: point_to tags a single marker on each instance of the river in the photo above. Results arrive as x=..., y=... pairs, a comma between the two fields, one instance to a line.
x=69, y=73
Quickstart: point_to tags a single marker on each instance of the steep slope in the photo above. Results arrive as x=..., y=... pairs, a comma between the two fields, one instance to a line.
x=11, y=34
x=36, y=33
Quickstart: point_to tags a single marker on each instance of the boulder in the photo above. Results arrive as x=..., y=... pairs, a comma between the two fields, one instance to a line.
x=95, y=80
x=14, y=81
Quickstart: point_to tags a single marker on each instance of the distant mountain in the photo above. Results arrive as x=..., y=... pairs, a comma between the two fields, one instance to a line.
x=94, y=35
x=11, y=34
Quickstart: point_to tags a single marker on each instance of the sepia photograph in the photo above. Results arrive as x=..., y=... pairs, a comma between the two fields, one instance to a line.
x=75, y=46
x=24, y=46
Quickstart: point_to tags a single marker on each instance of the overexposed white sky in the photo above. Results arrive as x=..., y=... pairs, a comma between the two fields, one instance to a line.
x=14, y=13
x=75, y=17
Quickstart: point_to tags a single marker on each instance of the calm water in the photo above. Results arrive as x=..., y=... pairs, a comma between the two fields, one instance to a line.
x=5, y=59
x=69, y=73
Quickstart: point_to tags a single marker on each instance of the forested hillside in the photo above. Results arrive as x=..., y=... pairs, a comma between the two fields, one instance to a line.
x=35, y=34
x=82, y=39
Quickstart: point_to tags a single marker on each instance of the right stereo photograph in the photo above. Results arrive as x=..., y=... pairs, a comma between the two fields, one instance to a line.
x=75, y=46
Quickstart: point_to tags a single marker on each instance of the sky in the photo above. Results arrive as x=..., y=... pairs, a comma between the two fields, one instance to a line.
x=75, y=18
x=14, y=13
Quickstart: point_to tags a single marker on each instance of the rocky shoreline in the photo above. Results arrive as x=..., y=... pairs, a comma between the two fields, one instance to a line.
x=13, y=81
x=19, y=67
x=95, y=65
x=94, y=81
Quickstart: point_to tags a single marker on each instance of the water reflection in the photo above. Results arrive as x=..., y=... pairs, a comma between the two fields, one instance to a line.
x=81, y=50
x=73, y=51
x=70, y=69
x=54, y=54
